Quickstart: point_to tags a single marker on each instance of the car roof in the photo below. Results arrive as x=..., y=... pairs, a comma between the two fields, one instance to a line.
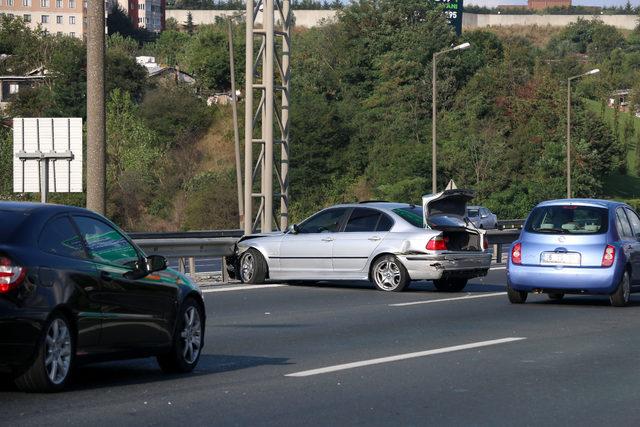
x=378, y=205
x=585, y=202
x=31, y=207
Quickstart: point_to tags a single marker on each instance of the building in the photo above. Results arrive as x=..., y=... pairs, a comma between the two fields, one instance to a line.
x=164, y=73
x=147, y=14
x=546, y=4
x=10, y=86
x=54, y=16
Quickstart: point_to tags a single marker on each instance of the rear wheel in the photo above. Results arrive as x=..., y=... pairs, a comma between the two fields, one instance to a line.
x=620, y=298
x=556, y=296
x=253, y=267
x=450, y=285
x=52, y=367
x=516, y=297
x=389, y=274
x=187, y=342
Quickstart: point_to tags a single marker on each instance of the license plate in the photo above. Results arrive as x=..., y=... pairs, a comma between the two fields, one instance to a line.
x=558, y=258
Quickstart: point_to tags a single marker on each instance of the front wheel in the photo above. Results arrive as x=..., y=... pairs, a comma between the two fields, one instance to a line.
x=389, y=274
x=516, y=297
x=622, y=294
x=52, y=367
x=253, y=267
x=187, y=341
x=450, y=285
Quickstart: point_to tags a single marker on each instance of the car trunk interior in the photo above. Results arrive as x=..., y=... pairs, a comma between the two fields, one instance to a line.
x=462, y=241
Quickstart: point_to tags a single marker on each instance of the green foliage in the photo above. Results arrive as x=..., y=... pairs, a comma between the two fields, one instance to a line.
x=124, y=73
x=6, y=162
x=207, y=190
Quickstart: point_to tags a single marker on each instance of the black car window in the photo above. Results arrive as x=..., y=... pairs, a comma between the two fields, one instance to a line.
x=106, y=244
x=622, y=223
x=323, y=222
x=385, y=223
x=567, y=219
x=634, y=221
x=59, y=237
x=413, y=215
x=362, y=220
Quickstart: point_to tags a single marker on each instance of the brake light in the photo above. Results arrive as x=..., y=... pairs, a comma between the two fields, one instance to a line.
x=516, y=254
x=609, y=256
x=11, y=275
x=485, y=243
x=437, y=243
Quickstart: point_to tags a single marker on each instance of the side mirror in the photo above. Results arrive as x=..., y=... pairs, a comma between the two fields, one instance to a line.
x=156, y=263
x=293, y=229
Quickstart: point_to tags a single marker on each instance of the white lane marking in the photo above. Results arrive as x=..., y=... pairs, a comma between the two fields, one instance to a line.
x=404, y=304
x=398, y=357
x=498, y=268
x=241, y=288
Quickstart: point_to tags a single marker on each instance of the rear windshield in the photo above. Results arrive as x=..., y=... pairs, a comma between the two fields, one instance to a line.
x=473, y=213
x=10, y=221
x=568, y=220
x=411, y=214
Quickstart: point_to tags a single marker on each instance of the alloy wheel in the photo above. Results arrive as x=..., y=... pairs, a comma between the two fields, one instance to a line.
x=191, y=334
x=247, y=267
x=58, y=351
x=387, y=275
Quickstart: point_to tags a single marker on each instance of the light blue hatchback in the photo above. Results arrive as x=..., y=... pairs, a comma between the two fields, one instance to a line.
x=577, y=246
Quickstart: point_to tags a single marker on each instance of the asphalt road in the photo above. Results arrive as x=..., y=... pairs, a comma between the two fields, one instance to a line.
x=328, y=354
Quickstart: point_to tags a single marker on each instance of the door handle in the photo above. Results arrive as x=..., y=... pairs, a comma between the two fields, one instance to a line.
x=375, y=238
x=328, y=239
x=106, y=276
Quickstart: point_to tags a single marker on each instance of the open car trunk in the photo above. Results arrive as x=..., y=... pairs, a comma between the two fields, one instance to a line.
x=446, y=212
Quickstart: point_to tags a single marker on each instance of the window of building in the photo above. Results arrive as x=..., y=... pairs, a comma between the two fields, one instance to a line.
x=58, y=4
x=141, y=6
x=44, y=19
x=139, y=20
x=44, y=3
x=27, y=18
x=72, y=4
x=13, y=88
x=72, y=34
x=72, y=20
x=10, y=3
x=11, y=15
x=59, y=19
x=26, y=3
x=59, y=33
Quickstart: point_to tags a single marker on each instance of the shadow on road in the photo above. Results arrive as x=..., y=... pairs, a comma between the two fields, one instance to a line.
x=585, y=301
x=421, y=287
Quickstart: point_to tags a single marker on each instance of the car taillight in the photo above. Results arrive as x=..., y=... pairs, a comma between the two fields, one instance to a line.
x=609, y=256
x=11, y=275
x=485, y=243
x=437, y=243
x=516, y=254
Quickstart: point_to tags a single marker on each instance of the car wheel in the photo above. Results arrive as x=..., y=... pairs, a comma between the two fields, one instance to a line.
x=187, y=341
x=516, y=297
x=389, y=274
x=54, y=361
x=253, y=267
x=450, y=285
x=622, y=294
x=556, y=296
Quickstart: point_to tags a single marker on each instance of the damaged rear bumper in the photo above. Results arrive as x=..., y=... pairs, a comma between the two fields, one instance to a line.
x=437, y=266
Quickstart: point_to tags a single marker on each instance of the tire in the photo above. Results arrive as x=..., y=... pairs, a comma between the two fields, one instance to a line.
x=516, y=297
x=622, y=294
x=188, y=340
x=253, y=267
x=389, y=275
x=556, y=296
x=55, y=358
x=450, y=285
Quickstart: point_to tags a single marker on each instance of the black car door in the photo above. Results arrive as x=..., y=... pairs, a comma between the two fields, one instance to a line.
x=135, y=313
x=68, y=271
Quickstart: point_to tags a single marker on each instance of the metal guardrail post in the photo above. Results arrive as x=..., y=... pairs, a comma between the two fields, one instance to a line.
x=498, y=253
x=181, y=265
x=192, y=266
x=225, y=274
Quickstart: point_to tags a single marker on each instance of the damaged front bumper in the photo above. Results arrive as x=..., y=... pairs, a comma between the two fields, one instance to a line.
x=444, y=265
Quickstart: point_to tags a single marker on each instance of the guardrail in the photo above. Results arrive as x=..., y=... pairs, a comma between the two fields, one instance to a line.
x=510, y=223
x=187, y=246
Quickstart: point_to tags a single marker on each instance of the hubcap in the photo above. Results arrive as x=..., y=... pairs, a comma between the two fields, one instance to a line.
x=247, y=266
x=191, y=335
x=58, y=351
x=387, y=275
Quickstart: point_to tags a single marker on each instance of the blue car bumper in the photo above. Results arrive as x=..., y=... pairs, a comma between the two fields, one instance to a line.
x=566, y=279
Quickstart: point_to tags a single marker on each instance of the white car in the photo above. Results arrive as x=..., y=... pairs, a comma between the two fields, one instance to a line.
x=389, y=244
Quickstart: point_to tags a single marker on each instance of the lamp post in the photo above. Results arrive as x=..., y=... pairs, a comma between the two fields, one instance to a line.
x=569, y=80
x=435, y=110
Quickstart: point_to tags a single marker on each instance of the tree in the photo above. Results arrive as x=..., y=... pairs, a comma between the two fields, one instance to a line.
x=189, y=24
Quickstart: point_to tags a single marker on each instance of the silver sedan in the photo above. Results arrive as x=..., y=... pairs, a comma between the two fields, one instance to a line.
x=389, y=244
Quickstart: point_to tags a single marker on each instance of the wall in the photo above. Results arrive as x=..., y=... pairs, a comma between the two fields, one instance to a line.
x=304, y=18
x=472, y=20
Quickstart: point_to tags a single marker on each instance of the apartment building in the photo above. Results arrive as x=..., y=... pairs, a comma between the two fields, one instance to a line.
x=545, y=4
x=148, y=14
x=54, y=16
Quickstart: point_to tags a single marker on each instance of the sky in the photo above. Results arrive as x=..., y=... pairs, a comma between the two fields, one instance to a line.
x=494, y=3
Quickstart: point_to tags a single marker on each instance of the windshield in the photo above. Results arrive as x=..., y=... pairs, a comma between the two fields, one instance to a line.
x=568, y=219
x=411, y=214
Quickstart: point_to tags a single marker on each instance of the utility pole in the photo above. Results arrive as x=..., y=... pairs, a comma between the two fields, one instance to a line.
x=96, y=123
x=236, y=136
x=434, y=111
x=270, y=21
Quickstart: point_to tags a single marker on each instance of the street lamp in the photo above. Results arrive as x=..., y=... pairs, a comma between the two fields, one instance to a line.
x=434, y=112
x=588, y=73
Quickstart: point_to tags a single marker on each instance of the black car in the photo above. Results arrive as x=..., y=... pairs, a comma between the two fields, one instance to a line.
x=75, y=289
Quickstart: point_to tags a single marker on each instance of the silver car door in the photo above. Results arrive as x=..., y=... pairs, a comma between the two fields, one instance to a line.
x=635, y=245
x=306, y=254
x=363, y=232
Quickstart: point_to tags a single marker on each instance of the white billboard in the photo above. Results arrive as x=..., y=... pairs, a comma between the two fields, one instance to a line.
x=53, y=145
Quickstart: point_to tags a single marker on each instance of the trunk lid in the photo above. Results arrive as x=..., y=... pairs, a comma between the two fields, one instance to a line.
x=446, y=210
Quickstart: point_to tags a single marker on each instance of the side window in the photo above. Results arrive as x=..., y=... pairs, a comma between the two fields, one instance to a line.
x=385, y=223
x=634, y=221
x=60, y=238
x=324, y=222
x=624, y=229
x=362, y=220
x=105, y=243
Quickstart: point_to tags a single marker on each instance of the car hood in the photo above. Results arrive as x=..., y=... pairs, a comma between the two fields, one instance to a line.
x=446, y=209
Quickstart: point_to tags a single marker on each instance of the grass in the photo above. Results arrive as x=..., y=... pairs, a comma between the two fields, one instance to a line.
x=618, y=185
